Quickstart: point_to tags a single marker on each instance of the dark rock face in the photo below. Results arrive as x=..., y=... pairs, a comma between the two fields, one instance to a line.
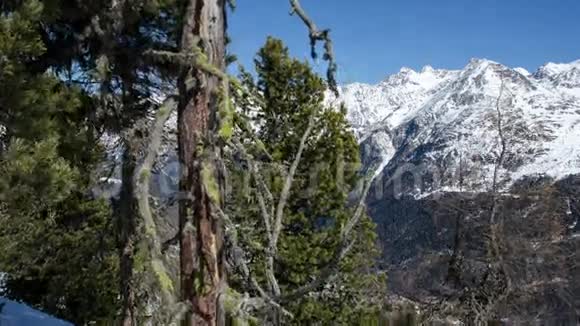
x=539, y=239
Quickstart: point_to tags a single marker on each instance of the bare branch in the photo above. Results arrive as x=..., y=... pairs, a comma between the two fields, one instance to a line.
x=358, y=212
x=288, y=185
x=267, y=218
x=260, y=186
x=261, y=183
x=239, y=261
x=317, y=35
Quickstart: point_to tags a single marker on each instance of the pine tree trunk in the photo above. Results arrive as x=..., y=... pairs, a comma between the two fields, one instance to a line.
x=201, y=261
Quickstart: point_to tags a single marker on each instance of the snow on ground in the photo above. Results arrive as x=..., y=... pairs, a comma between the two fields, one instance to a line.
x=17, y=314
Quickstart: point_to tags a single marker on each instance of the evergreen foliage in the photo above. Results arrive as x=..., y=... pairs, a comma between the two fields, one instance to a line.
x=56, y=244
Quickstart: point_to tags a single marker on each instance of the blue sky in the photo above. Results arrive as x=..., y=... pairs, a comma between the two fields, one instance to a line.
x=374, y=38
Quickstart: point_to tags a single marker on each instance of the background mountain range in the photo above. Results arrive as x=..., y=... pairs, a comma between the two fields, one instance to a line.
x=448, y=118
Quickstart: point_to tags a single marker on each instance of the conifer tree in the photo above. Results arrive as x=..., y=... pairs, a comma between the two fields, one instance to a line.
x=291, y=100
x=103, y=47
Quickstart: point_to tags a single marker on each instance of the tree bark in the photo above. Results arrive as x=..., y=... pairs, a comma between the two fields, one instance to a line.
x=201, y=258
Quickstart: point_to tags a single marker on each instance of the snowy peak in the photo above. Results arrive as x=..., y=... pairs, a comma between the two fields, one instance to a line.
x=522, y=71
x=406, y=70
x=552, y=69
x=565, y=75
x=427, y=78
x=427, y=69
x=479, y=62
x=393, y=99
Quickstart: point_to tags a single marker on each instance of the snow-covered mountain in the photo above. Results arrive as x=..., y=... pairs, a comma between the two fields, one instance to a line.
x=448, y=121
x=435, y=136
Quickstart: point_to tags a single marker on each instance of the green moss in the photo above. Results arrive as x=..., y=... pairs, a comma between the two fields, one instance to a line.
x=144, y=175
x=226, y=112
x=260, y=145
x=150, y=230
x=202, y=63
x=226, y=131
x=141, y=257
x=198, y=282
x=232, y=300
x=164, y=110
x=164, y=280
x=103, y=68
x=209, y=182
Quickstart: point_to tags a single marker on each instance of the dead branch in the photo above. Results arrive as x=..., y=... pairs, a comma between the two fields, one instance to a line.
x=238, y=260
x=260, y=186
x=265, y=215
x=277, y=228
x=316, y=36
x=141, y=180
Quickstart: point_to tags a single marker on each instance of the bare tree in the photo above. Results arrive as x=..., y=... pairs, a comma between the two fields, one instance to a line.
x=510, y=254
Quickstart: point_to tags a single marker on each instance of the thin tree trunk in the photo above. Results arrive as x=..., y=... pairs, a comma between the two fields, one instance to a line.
x=201, y=261
x=127, y=226
x=454, y=270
